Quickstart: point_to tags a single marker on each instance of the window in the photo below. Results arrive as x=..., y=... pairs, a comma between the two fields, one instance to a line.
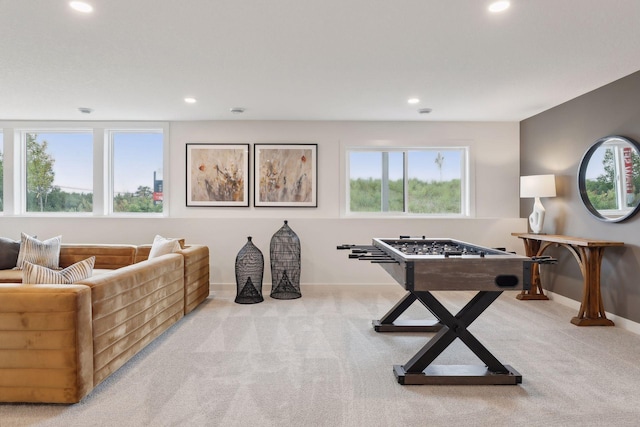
x=1, y=172
x=58, y=171
x=407, y=181
x=85, y=169
x=137, y=160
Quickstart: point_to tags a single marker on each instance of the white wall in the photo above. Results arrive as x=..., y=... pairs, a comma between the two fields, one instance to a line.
x=495, y=174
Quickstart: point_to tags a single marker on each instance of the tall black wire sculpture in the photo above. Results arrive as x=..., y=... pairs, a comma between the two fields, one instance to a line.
x=285, y=264
x=249, y=272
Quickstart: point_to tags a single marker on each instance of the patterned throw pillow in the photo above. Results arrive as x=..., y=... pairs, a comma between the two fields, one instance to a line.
x=45, y=253
x=33, y=274
x=163, y=246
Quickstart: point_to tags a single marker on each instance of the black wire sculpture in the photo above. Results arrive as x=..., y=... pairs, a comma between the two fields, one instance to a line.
x=285, y=264
x=249, y=273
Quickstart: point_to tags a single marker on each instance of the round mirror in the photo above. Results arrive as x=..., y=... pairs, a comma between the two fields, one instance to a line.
x=609, y=178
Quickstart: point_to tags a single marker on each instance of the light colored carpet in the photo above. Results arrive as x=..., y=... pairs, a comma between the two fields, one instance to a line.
x=316, y=361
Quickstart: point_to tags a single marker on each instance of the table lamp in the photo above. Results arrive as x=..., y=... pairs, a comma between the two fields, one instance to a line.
x=537, y=186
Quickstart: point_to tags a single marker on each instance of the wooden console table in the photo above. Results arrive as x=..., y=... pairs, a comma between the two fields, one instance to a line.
x=589, y=254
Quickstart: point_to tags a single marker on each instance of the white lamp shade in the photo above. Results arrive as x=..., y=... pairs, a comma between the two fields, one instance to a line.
x=538, y=186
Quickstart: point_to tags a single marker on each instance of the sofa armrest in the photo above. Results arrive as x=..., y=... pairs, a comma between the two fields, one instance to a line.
x=46, y=346
x=196, y=272
x=131, y=306
x=196, y=275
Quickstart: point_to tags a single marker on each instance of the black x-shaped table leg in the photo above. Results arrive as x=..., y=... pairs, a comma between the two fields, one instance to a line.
x=390, y=323
x=419, y=370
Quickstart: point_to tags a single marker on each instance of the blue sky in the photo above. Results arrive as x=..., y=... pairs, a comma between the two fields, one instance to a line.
x=596, y=168
x=136, y=157
x=422, y=165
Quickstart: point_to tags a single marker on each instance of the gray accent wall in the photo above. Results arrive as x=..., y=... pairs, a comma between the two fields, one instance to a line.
x=554, y=142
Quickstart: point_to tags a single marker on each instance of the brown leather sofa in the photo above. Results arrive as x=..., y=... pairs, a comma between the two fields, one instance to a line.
x=58, y=342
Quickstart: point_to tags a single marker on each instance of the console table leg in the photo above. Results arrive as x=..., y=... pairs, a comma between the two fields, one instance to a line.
x=536, y=292
x=531, y=249
x=592, y=308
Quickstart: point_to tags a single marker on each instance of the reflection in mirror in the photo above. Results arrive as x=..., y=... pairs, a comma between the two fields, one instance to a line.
x=609, y=178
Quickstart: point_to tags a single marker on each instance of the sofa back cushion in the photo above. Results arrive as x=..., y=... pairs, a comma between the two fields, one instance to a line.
x=108, y=256
x=142, y=253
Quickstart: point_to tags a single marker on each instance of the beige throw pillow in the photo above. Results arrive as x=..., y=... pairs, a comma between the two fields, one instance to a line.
x=162, y=246
x=33, y=274
x=45, y=253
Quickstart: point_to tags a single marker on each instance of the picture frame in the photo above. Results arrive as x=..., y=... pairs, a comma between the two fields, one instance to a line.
x=217, y=174
x=285, y=175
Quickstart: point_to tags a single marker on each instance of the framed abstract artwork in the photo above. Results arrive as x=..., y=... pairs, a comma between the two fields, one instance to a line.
x=217, y=174
x=285, y=175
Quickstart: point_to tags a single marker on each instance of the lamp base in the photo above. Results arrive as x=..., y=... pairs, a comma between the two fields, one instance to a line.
x=536, y=219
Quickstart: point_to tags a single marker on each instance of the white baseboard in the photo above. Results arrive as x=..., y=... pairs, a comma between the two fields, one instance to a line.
x=620, y=322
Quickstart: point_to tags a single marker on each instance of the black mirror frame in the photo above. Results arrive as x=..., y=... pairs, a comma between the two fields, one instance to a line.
x=582, y=182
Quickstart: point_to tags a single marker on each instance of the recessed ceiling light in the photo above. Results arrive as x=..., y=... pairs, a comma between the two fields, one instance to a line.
x=81, y=6
x=190, y=100
x=499, y=6
x=413, y=100
x=425, y=110
x=85, y=110
x=237, y=110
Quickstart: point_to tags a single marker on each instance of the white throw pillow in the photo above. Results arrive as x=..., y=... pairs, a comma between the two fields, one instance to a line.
x=45, y=253
x=162, y=246
x=33, y=274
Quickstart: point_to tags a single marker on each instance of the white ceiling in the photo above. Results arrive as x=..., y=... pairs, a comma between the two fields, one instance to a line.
x=309, y=59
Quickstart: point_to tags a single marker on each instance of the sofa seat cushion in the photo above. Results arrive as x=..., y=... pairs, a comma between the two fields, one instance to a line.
x=15, y=276
x=10, y=276
x=99, y=271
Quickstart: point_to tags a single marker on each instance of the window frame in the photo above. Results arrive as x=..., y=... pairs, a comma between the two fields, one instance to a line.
x=14, y=151
x=465, y=183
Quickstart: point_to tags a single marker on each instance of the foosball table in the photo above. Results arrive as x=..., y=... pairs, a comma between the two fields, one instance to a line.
x=423, y=265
